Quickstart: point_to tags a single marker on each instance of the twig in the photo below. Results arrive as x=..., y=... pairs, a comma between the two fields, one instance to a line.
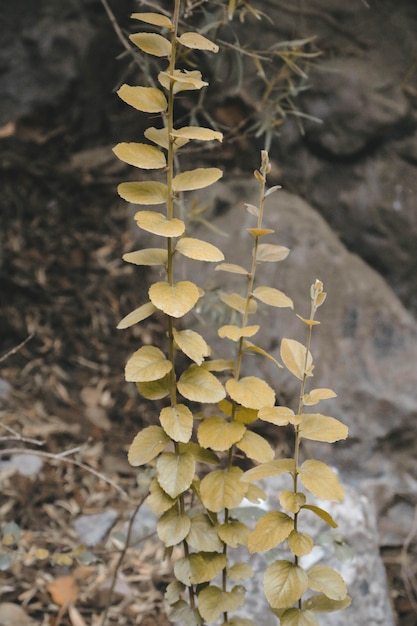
x=121, y=558
x=407, y=576
x=16, y=348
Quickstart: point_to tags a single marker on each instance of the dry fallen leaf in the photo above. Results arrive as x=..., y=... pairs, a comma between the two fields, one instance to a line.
x=63, y=590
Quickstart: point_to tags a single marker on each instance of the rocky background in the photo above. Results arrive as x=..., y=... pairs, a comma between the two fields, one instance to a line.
x=341, y=129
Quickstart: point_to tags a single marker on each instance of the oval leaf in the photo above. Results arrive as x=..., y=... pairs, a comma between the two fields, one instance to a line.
x=255, y=447
x=152, y=43
x=197, y=42
x=232, y=268
x=218, y=434
x=298, y=617
x=174, y=300
x=322, y=481
x=284, y=584
x=160, y=137
x=300, y=544
x=315, y=395
x=203, y=534
x=156, y=19
x=136, y=316
x=183, y=80
x=148, y=256
x=235, y=333
x=177, y=422
x=271, y=253
x=318, y=427
x=140, y=155
x=198, y=250
x=196, y=179
x=270, y=530
x=272, y=468
x=251, y=392
x=156, y=389
x=238, y=303
x=198, y=133
x=199, y=385
x=148, y=192
x=147, y=444
x=146, y=99
x=278, y=415
x=293, y=355
x=159, y=224
x=175, y=472
x=147, y=364
x=234, y=533
x=192, y=344
x=222, y=489
x=328, y=581
x=273, y=297
x=172, y=528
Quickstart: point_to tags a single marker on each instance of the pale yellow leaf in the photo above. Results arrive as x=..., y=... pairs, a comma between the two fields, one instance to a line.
x=172, y=528
x=199, y=567
x=160, y=137
x=240, y=413
x=270, y=530
x=315, y=395
x=272, y=468
x=192, y=344
x=255, y=494
x=273, y=297
x=234, y=533
x=300, y=544
x=212, y=601
x=197, y=132
x=156, y=389
x=218, y=365
x=200, y=454
x=251, y=392
x=240, y=571
x=139, y=314
x=175, y=472
x=248, y=346
x=159, y=224
x=156, y=19
x=147, y=364
x=260, y=232
x=222, y=489
x=198, y=250
x=174, y=300
x=152, y=43
x=284, y=583
x=177, y=422
x=293, y=355
x=324, y=515
x=291, y=501
x=255, y=447
x=278, y=415
x=203, y=535
x=318, y=427
x=321, y=480
x=322, y=604
x=148, y=192
x=197, y=42
x=232, y=268
x=184, y=80
x=147, y=444
x=238, y=303
x=147, y=256
x=328, y=581
x=196, y=179
x=140, y=155
x=146, y=99
x=235, y=333
x=158, y=500
x=298, y=617
x=270, y=253
x=199, y=385
x=219, y=434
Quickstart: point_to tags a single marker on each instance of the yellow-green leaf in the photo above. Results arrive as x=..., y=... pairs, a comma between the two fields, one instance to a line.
x=203, y=534
x=298, y=617
x=272, y=468
x=324, y=515
x=147, y=444
x=146, y=99
x=278, y=415
x=300, y=543
x=322, y=604
x=159, y=224
x=158, y=500
x=315, y=395
x=240, y=413
x=232, y=268
x=255, y=447
x=147, y=364
x=147, y=256
x=140, y=155
x=251, y=392
x=238, y=303
x=321, y=480
x=152, y=43
x=160, y=137
x=234, y=533
x=222, y=489
x=174, y=300
x=273, y=297
x=199, y=385
x=198, y=250
x=218, y=434
x=172, y=528
x=156, y=19
x=318, y=427
x=284, y=583
x=328, y=581
x=175, y=472
x=196, y=179
x=177, y=422
x=240, y=571
x=192, y=344
x=293, y=355
x=255, y=494
x=184, y=80
x=200, y=454
x=290, y=501
x=197, y=132
x=199, y=567
x=197, y=42
x=270, y=530
x=136, y=316
x=148, y=192
x=212, y=601
x=270, y=253
x=234, y=333
x=156, y=389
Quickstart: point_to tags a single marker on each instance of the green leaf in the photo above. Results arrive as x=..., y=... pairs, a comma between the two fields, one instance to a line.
x=318, y=427
x=148, y=256
x=136, y=316
x=152, y=43
x=219, y=434
x=192, y=344
x=140, y=155
x=251, y=392
x=255, y=447
x=293, y=355
x=148, y=192
x=322, y=481
x=177, y=422
x=234, y=533
x=175, y=472
x=147, y=444
x=198, y=250
x=203, y=535
x=147, y=364
x=284, y=584
x=326, y=580
x=172, y=528
x=270, y=530
x=322, y=604
x=196, y=179
x=222, y=489
x=300, y=543
x=199, y=567
x=158, y=500
x=174, y=300
x=199, y=385
x=159, y=224
x=197, y=42
x=146, y=99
